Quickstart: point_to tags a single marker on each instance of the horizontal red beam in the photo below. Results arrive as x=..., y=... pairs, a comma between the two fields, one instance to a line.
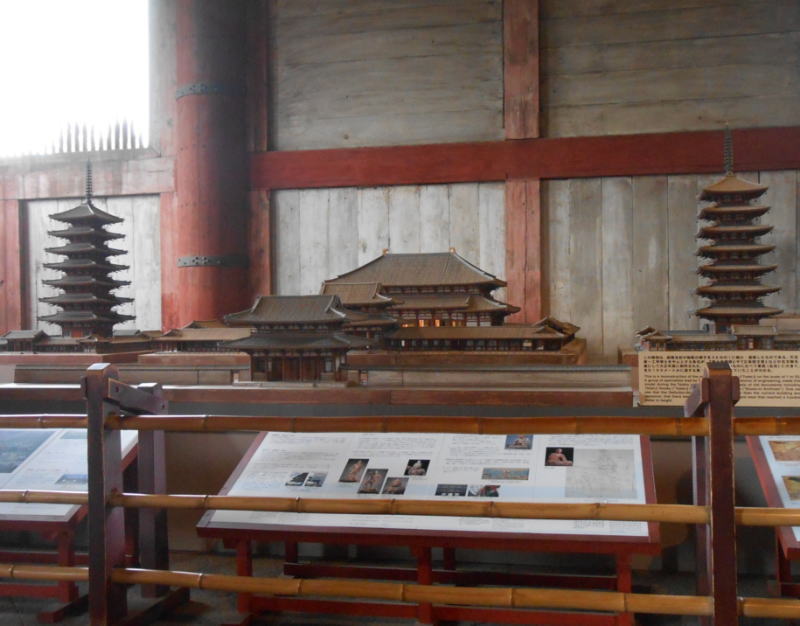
x=565, y=157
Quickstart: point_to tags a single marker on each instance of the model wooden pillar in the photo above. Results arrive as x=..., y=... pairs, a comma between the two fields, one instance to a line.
x=205, y=226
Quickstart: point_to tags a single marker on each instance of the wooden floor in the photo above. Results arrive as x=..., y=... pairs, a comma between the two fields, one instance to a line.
x=207, y=607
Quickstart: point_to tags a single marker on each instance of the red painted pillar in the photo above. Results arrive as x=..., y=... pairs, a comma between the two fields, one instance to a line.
x=203, y=231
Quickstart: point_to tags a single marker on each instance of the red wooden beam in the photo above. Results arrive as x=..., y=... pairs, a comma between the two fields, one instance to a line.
x=565, y=157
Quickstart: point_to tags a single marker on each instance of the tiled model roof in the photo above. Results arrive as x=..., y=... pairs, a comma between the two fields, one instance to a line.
x=205, y=334
x=420, y=270
x=457, y=302
x=356, y=294
x=298, y=341
x=86, y=212
x=731, y=184
x=526, y=331
x=290, y=310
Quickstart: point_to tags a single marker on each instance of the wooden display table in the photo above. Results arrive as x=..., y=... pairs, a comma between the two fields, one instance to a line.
x=572, y=468
x=777, y=462
x=51, y=460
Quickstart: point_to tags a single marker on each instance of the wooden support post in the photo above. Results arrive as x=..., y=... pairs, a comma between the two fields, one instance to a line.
x=152, y=478
x=521, y=121
x=715, y=486
x=12, y=288
x=259, y=239
x=107, y=600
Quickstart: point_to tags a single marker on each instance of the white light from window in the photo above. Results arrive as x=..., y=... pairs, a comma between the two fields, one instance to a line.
x=71, y=62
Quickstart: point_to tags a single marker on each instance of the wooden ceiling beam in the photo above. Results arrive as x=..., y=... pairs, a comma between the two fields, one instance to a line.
x=695, y=152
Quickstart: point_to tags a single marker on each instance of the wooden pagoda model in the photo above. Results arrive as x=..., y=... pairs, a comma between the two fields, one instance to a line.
x=734, y=270
x=87, y=301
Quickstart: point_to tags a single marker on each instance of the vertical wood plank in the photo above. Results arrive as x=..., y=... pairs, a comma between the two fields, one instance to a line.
x=38, y=240
x=11, y=284
x=617, y=235
x=373, y=223
x=586, y=261
x=556, y=199
x=169, y=268
x=404, y=219
x=682, y=225
x=147, y=277
x=342, y=231
x=259, y=240
x=782, y=198
x=464, y=221
x=650, y=269
x=491, y=218
x=516, y=205
x=313, y=250
x=521, y=68
x=534, y=253
x=257, y=77
x=434, y=212
x=287, y=241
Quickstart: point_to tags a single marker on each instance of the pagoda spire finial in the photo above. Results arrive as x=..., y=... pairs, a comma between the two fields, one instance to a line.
x=727, y=151
x=88, y=182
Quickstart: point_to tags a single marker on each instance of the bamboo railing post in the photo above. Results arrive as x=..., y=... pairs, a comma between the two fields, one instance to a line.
x=107, y=599
x=152, y=472
x=714, y=486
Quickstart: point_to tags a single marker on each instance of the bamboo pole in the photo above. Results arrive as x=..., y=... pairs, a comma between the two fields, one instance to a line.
x=766, y=426
x=671, y=426
x=668, y=513
x=512, y=597
x=43, y=421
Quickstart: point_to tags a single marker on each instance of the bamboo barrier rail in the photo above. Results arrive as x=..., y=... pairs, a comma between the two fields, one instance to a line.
x=665, y=513
x=513, y=597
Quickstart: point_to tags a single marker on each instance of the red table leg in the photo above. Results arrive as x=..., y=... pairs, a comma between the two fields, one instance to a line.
x=424, y=577
x=244, y=567
x=624, y=585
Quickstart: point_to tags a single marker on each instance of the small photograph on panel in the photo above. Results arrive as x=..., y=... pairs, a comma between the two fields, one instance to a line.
x=73, y=479
x=792, y=484
x=519, y=442
x=395, y=485
x=316, y=479
x=296, y=479
x=559, y=457
x=484, y=491
x=443, y=489
x=417, y=467
x=373, y=481
x=505, y=473
x=786, y=451
x=353, y=470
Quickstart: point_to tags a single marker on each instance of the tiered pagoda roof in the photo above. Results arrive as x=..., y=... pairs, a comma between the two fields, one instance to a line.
x=734, y=269
x=87, y=301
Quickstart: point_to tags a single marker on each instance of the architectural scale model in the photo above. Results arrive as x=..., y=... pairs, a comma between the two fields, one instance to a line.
x=740, y=319
x=295, y=337
x=87, y=317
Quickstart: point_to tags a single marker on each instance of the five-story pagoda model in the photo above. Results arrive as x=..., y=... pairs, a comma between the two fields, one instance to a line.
x=87, y=301
x=734, y=270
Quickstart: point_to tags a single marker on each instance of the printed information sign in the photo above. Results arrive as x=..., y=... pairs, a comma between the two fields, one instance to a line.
x=47, y=460
x=766, y=377
x=509, y=468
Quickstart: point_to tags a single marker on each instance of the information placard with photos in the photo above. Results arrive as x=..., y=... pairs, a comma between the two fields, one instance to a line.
x=782, y=455
x=51, y=460
x=509, y=468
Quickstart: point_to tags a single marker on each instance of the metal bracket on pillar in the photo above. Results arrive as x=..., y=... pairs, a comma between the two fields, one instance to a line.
x=224, y=260
x=199, y=89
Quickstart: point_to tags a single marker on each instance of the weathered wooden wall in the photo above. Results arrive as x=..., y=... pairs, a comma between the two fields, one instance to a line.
x=621, y=252
x=385, y=72
x=141, y=229
x=321, y=233
x=633, y=66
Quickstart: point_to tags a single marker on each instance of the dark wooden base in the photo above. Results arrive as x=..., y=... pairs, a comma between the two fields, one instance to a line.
x=161, y=607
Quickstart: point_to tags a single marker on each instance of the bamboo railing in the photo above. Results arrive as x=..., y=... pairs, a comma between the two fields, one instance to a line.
x=110, y=404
